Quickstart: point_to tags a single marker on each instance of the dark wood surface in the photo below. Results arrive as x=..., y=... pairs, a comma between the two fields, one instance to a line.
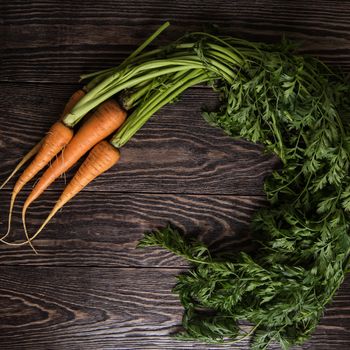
x=115, y=308
x=89, y=288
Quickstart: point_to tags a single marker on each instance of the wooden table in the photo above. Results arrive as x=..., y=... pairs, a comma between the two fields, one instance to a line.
x=89, y=288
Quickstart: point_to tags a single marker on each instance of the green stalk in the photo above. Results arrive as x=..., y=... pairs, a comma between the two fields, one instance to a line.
x=154, y=64
x=142, y=90
x=100, y=75
x=136, y=121
x=228, y=53
x=132, y=98
x=147, y=42
x=219, y=62
x=221, y=69
x=240, y=58
x=163, y=90
x=135, y=97
x=103, y=74
x=173, y=52
x=78, y=112
x=120, y=81
x=119, y=77
x=222, y=56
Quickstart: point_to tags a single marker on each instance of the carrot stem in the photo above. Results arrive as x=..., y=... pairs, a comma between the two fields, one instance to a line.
x=140, y=117
x=100, y=75
x=147, y=42
x=219, y=62
x=78, y=112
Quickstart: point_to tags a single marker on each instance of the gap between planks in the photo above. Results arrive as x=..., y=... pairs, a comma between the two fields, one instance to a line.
x=194, y=194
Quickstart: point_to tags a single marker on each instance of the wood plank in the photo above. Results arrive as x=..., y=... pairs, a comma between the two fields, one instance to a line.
x=81, y=291
x=102, y=308
x=55, y=41
x=175, y=152
x=102, y=229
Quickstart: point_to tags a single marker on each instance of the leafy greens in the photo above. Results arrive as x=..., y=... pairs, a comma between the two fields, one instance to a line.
x=299, y=110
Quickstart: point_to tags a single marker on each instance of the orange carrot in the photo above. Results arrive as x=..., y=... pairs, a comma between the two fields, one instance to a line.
x=56, y=139
x=74, y=99
x=24, y=160
x=107, y=118
x=101, y=158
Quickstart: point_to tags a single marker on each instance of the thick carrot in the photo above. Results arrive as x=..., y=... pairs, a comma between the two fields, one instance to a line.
x=107, y=118
x=101, y=158
x=56, y=139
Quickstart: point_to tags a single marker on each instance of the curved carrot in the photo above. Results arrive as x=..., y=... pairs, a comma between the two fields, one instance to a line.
x=101, y=158
x=107, y=118
x=24, y=160
x=56, y=139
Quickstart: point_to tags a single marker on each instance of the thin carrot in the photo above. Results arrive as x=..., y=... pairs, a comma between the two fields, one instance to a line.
x=68, y=107
x=24, y=160
x=107, y=118
x=56, y=139
x=101, y=158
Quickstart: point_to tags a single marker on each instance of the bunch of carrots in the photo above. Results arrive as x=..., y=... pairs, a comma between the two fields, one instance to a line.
x=141, y=85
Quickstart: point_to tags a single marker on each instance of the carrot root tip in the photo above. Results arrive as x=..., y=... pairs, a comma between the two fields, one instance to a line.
x=25, y=229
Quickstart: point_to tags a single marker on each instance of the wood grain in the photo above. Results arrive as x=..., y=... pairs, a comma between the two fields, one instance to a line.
x=175, y=152
x=56, y=41
x=101, y=308
x=89, y=288
x=102, y=229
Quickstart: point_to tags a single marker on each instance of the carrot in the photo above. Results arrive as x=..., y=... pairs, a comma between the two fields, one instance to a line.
x=56, y=139
x=107, y=118
x=74, y=99
x=24, y=160
x=68, y=107
x=101, y=158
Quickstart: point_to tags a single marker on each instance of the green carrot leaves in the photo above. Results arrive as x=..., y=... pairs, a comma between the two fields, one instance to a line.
x=299, y=110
